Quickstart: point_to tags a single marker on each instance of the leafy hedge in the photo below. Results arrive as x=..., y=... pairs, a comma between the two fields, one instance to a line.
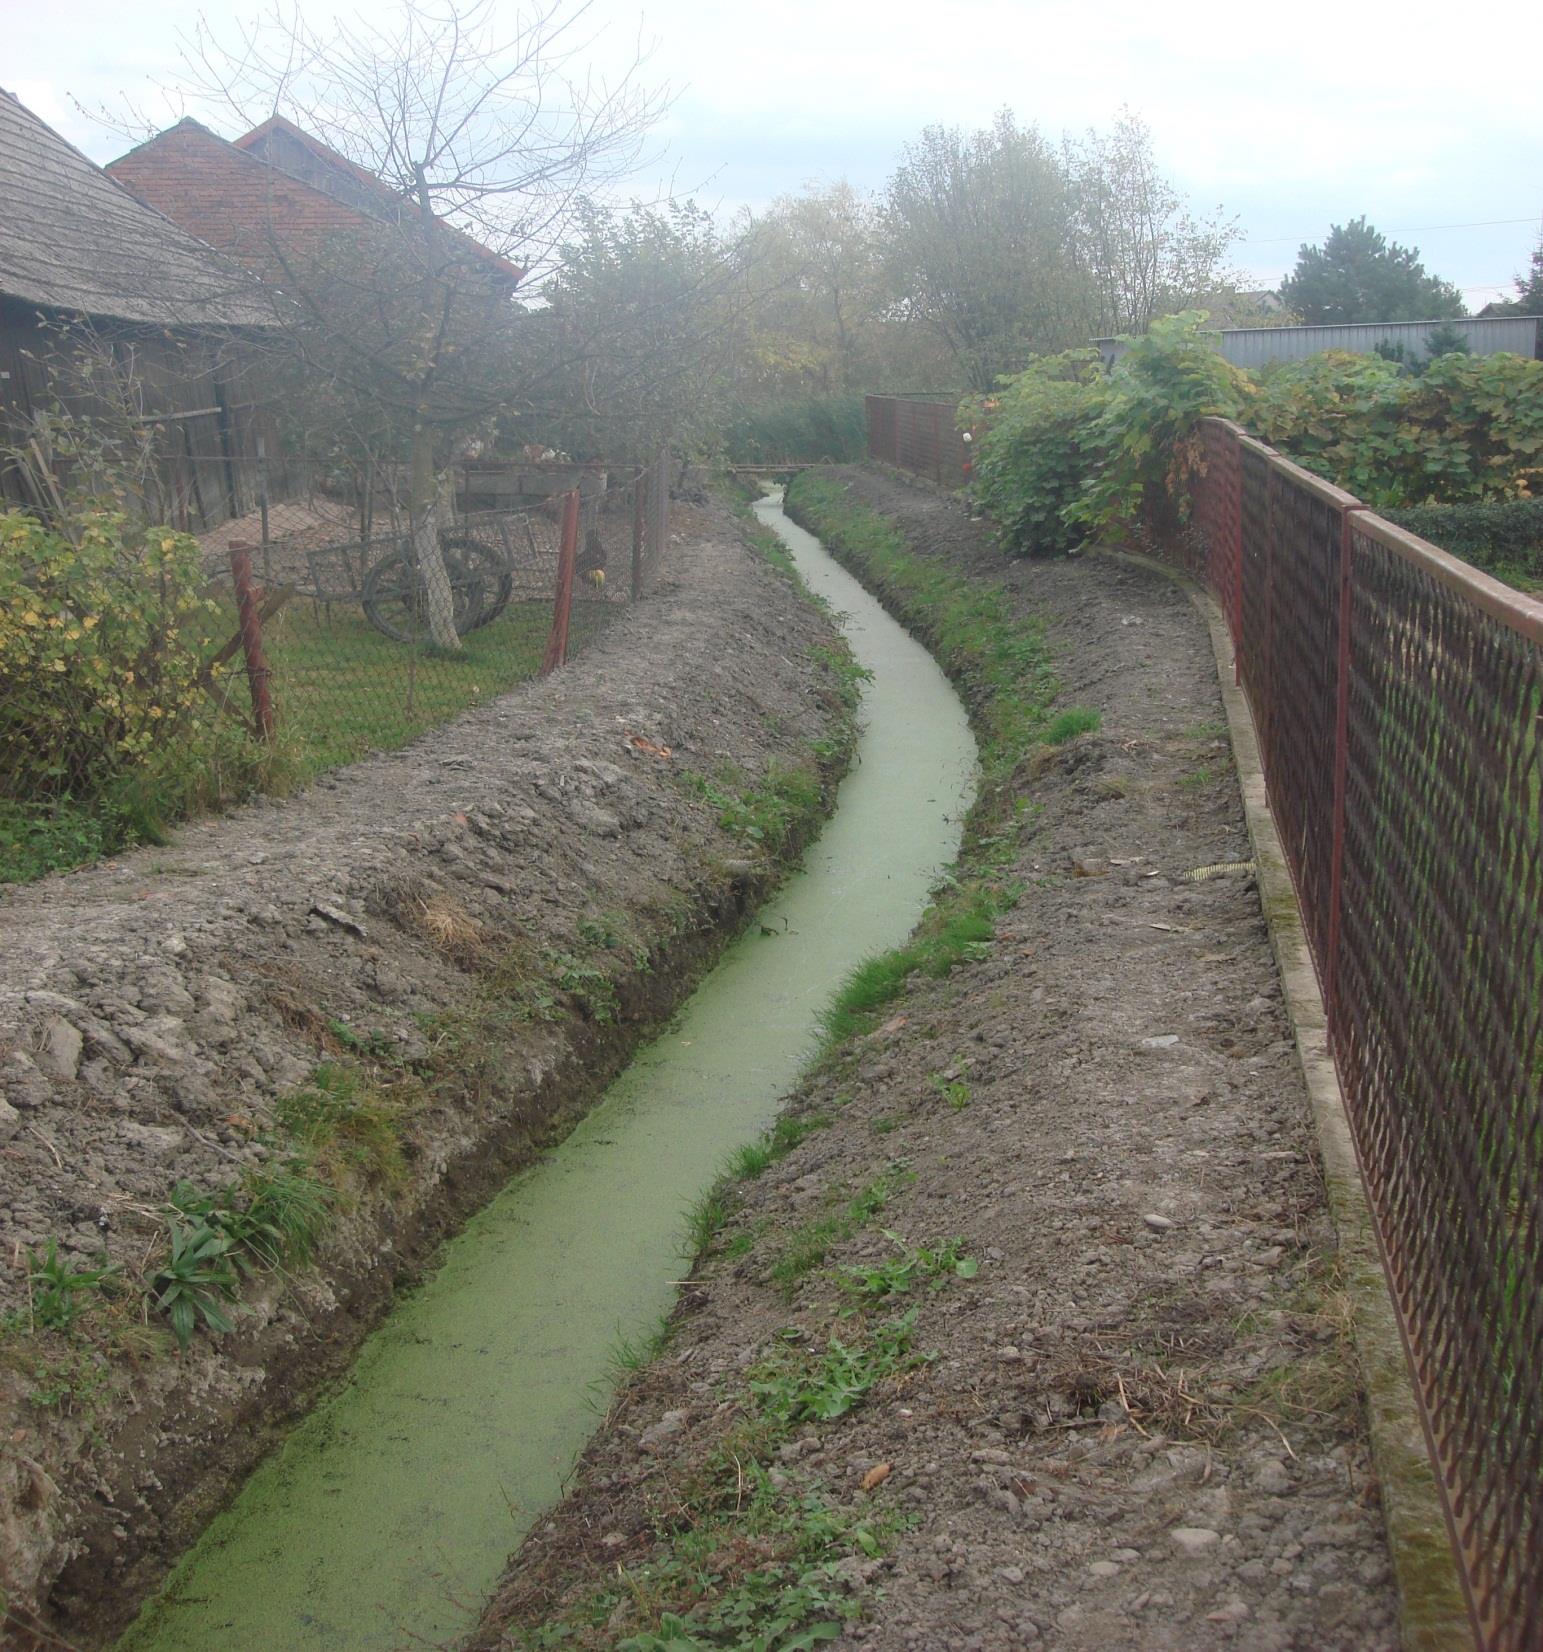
x=1066, y=452
x=799, y=428
x=1506, y=538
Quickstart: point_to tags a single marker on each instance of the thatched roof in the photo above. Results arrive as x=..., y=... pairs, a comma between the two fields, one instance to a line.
x=75, y=240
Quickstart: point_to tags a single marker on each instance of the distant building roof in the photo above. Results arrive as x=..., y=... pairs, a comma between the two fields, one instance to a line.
x=274, y=188
x=1255, y=346
x=76, y=240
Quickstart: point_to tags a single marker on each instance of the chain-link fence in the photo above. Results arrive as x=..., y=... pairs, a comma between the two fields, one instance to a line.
x=354, y=643
x=1398, y=694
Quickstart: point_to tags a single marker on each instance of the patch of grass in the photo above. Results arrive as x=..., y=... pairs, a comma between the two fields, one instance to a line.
x=956, y=928
x=1067, y=725
x=346, y=1126
x=586, y=983
x=808, y=1246
x=704, y=1222
x=763, y=812
x=1197, y=779
x=342, y=689
x=785, y=1134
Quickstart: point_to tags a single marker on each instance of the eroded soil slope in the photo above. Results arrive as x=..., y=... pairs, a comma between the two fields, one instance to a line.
x=405, y=980
x=1141, y=1428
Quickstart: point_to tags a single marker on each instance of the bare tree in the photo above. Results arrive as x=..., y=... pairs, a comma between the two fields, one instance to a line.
x=477, y=132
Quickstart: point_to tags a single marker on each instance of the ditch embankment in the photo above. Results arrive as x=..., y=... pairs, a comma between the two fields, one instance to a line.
x=331, y=1028
x=1025, y=1326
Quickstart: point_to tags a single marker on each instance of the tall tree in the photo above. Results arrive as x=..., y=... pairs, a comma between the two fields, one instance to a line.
x=1359, y=275
x=489, y=130
x=1138, y=251
x=975, y=225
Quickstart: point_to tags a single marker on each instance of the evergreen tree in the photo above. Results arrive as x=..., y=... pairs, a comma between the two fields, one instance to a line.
x=1359, y=275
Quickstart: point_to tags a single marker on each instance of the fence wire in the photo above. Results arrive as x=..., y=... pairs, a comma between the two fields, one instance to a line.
x=536, y=559
x=1398, y=696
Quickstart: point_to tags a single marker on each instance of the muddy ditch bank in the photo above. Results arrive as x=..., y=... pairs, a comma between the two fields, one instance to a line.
x=398, y=987
x=1132, y=1419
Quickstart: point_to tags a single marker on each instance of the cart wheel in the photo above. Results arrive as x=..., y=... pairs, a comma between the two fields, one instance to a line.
x=396, y=597
x=492, y=571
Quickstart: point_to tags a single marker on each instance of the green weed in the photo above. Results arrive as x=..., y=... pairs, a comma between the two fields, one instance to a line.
x=809, y=1245
x=196, y=1281
x=935, y=1264
x=795, y=1386
x=59, y=1290
x=954, y=1091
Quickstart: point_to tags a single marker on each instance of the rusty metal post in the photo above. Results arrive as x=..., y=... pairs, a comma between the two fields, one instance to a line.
x=257, y=669
x=639, y=519
x=562, y=599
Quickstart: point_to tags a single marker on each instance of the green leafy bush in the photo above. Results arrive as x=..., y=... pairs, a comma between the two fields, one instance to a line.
x=104, y=630
x=1144, y=436
x=107, y=732
x=1505, y=537
x=811, y=428
x=1466, y=428
x=1038, y=450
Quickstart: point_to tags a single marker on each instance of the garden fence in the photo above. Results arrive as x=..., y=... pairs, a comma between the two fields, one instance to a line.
x=919, y=434
x=1398, y=694
x=331, y=610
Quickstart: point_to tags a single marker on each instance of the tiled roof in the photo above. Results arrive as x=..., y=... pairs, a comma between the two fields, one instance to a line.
x=276, y=189
x=73, y=239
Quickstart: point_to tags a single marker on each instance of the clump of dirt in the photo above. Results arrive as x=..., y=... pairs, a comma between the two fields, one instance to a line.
x=1140, y=1426
x=473, y=932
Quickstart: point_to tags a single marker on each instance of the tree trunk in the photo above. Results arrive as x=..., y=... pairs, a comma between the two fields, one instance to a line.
x=426, y=512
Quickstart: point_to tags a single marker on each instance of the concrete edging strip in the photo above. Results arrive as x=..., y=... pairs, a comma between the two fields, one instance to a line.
x=1433, y=1610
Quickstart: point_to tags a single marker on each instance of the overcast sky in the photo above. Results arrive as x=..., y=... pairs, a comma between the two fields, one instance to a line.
x=1424, y=117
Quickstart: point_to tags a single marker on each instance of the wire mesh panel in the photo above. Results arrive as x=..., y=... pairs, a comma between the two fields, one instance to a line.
x=1399, y=700
x=1306, y=523
x=374, y=646
x=1439, y=1033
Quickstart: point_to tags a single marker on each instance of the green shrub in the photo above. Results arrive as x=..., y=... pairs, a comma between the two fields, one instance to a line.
x=1505, y=537
x=104, y=630
x=1466, y=428
x=1037, y=450
x=829, y=427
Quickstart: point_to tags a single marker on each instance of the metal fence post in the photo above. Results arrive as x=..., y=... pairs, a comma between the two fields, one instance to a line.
x=257, y=669
x=639, y=522
x=562, y=599
x=262, y=505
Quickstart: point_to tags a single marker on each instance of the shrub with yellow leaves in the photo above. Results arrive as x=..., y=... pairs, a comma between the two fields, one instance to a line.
x=104, y=630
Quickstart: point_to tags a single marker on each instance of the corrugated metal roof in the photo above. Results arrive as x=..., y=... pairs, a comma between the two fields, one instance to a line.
x=73, y=239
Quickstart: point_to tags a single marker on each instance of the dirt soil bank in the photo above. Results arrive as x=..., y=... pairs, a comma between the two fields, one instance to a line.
x=1142, y=1428
x=477, y=931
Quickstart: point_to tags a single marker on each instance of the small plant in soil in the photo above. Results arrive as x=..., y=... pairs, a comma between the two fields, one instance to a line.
x=953, y=1090
x=345, y=1127
x=59, y=1290
x=810, y=1244
x=196, y=1281
x=932, y=1264
x=795, y=1386
x=272, y=1217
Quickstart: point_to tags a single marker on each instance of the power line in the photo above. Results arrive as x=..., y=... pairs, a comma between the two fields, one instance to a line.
x=1406, y=229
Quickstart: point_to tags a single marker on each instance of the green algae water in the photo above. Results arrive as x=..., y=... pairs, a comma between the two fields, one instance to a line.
x=386, y=1517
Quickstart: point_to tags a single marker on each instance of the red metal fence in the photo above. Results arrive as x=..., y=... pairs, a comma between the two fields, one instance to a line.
x=918, y=433
x=1398, y=695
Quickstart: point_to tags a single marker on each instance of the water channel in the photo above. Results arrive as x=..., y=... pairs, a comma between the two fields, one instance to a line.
x=387, y=1515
